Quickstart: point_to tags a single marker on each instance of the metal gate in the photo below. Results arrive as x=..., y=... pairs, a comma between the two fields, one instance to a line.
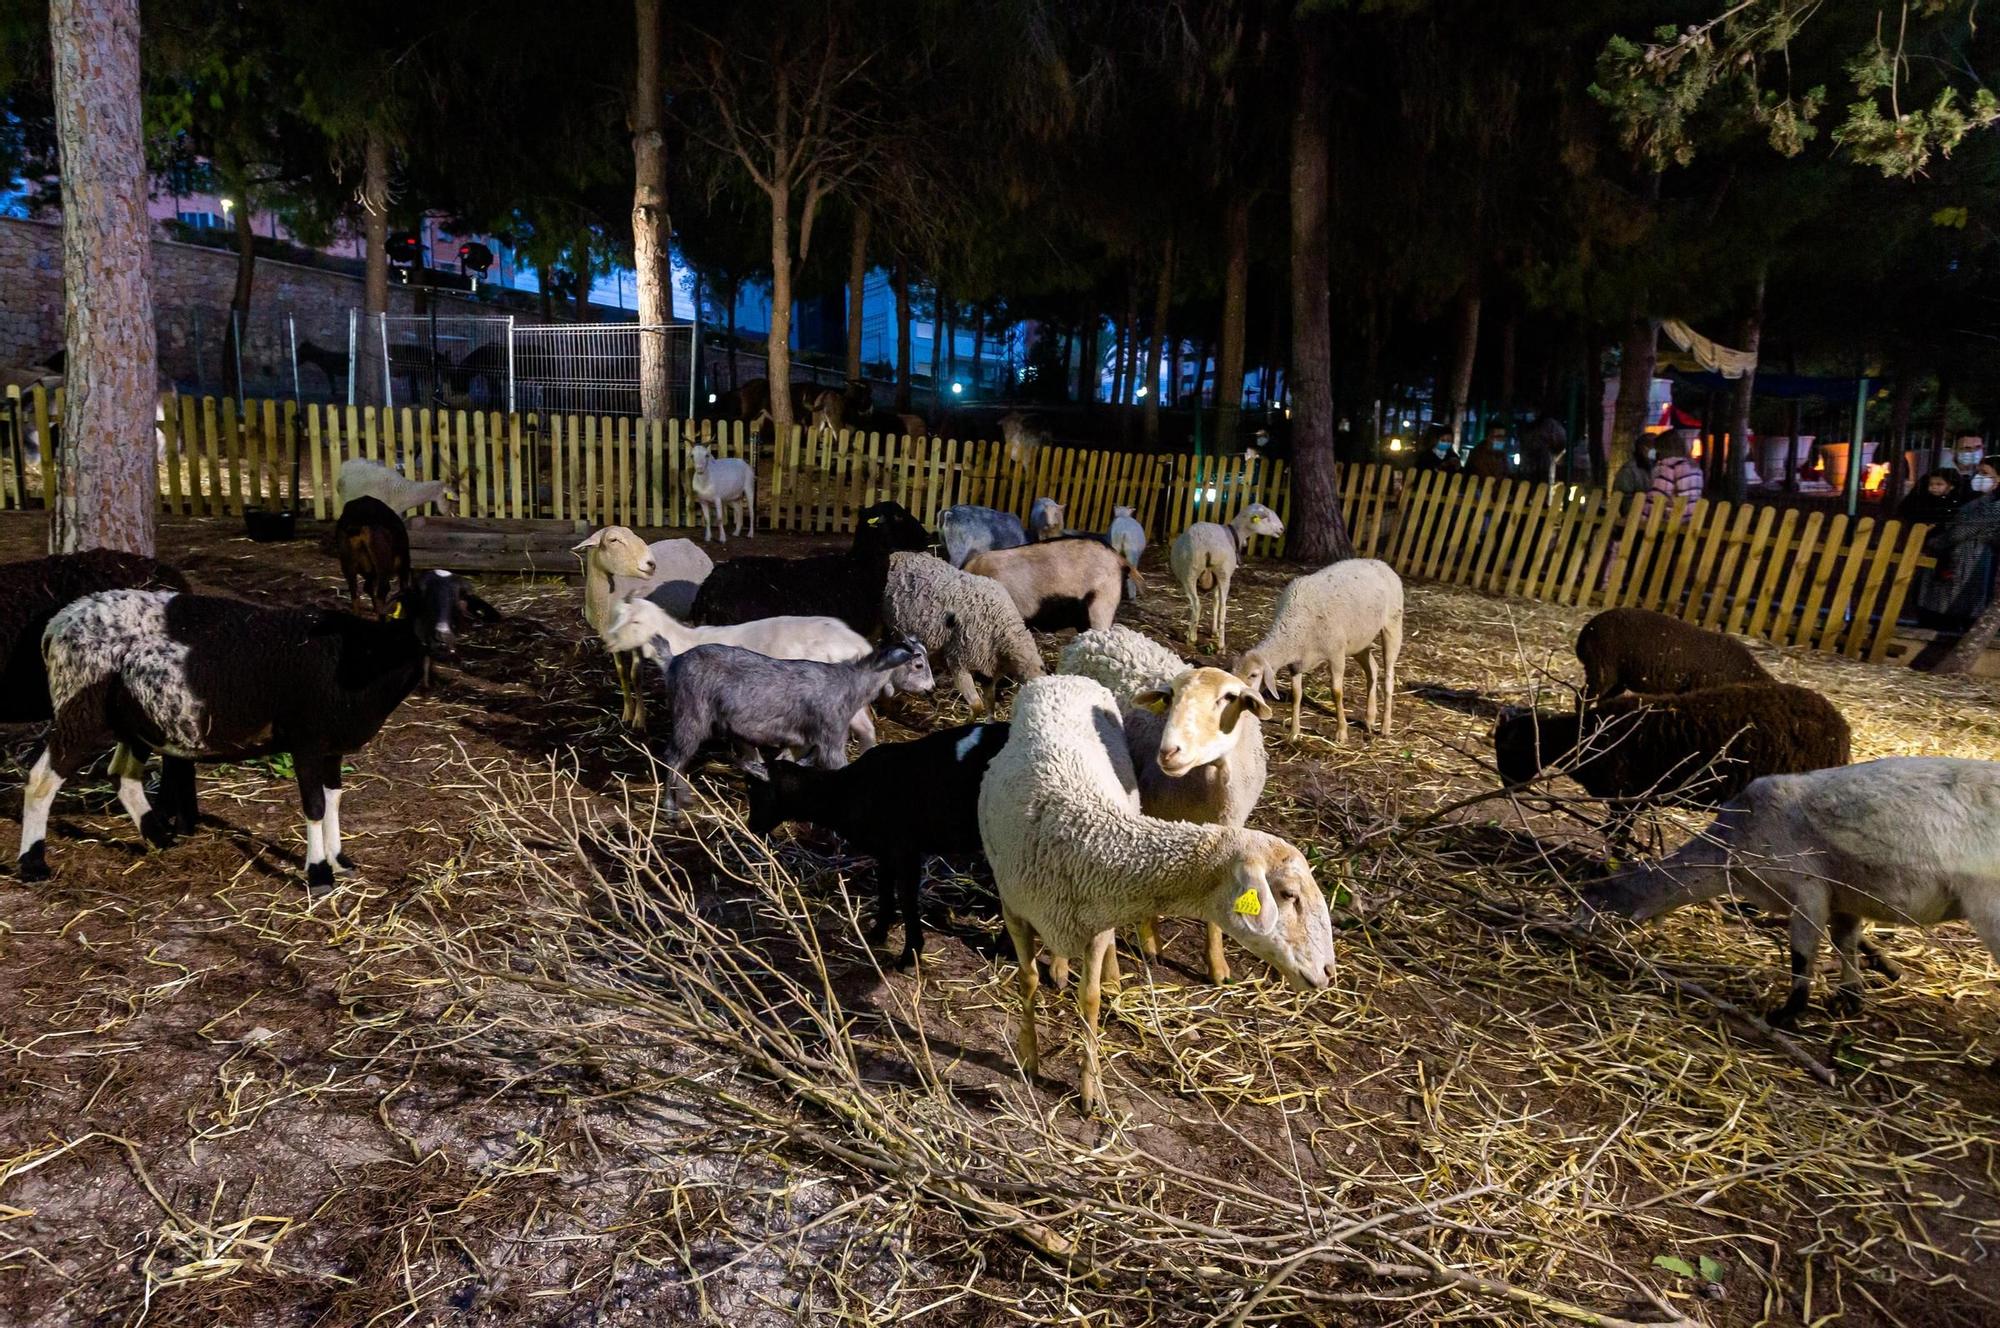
x=593, y=368
x=446, y=360
x=496, y=363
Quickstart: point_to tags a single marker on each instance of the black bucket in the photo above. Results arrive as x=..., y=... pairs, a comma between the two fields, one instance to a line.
x=269, y=527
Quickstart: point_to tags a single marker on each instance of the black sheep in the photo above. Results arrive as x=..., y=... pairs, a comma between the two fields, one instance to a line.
x=374, y=548
x=1701, y=748
x=1638, y=650
x=898, y=803
x=847, y=585
x=200, y=678
x=33, y=592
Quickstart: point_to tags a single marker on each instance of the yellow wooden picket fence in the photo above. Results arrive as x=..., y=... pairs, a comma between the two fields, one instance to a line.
x=218, y=457
x=1810, y=579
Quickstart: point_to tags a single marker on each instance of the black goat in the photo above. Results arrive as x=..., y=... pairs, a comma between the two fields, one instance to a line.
x=846, y=585
x=200, y=678
x=441, y=605
x=899, y=803
x=374, y=548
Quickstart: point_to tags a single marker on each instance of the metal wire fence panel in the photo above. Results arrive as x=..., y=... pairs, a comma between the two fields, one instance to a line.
x=593, y=368
x=439, y=360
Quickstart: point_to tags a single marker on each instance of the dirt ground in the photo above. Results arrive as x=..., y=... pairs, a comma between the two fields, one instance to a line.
x=547, y=1060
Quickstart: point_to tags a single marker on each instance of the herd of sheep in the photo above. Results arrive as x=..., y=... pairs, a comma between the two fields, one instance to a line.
x=1119, y=791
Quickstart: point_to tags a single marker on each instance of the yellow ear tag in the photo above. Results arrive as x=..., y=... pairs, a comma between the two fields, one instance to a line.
x=396, y=609
x=1249, y=904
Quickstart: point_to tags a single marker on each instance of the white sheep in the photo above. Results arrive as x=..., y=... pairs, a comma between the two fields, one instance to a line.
x=1906, y=839
x=1045, y=519
x=1195, y=736
x=1129, y=538
x=719, y=481
x=642, y=627
x=967, y=623
x=1075, y=860
x=1328, y=618
x=362, y=478
x=618, y=565
x=1205, y=557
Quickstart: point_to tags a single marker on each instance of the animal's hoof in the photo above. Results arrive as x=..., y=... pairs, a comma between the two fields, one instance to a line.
x=1785, y=1016
x=34, y=864
x=342, y=861
x=1845, y=1004
x=908, y=959
x=879, y=933
x=319, y=875
x=157, y=828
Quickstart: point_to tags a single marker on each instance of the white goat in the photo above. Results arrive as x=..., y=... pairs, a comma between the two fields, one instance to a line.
x=717, y=481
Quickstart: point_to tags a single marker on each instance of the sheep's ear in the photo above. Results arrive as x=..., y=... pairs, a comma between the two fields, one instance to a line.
x=1241, y=701
x=1155, y=699
x=590, y=541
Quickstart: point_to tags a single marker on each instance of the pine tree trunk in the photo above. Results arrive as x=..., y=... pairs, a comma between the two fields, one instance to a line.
x=1134, y=353
x=937, y=349
x=108, y=479
x=1318, y=532
x=1507, y=370
x=650, y=224
x=1738, y=480
x=1465, y=349
x=1163, y=294
x=1235, y=304
x=901, y=280
x=239, y=298
x=1635, y=384
x=729, y=320
x=1117, y=364
x=778, y=344
x=978, y=347
x=1901, y=406
x=375, y=278
x=1089, y=365
x=857, y=290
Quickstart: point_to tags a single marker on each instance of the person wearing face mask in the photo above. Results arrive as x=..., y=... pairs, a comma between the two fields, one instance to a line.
x=1960, y=584
x=1439, y=454
x=1490, y=460
x=1968, y=452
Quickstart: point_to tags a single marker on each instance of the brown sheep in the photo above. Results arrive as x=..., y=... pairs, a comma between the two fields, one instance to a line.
x=1073, y=582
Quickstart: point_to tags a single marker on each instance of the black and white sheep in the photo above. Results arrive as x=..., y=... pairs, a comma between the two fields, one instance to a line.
x=870, y=805
x=201, y=678
x=846, y=585
x=374, y=548
x=34, y=591
x=1700, y=748
x=1912, y=840
x=1638, y=650
x=757, y=704
x=1068, y=582
x=967, y=529
x=970, y=628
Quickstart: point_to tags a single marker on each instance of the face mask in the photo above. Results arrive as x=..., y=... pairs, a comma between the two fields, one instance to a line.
x=1499, y=444
x=1983, y=483
x=1442, y=449
x=1650, y=455
x=1967, y=460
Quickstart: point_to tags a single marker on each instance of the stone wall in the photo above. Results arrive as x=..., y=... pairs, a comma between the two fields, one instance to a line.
x=192, y=286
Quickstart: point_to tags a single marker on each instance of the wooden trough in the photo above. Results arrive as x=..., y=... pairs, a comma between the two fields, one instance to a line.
x=481, y=544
